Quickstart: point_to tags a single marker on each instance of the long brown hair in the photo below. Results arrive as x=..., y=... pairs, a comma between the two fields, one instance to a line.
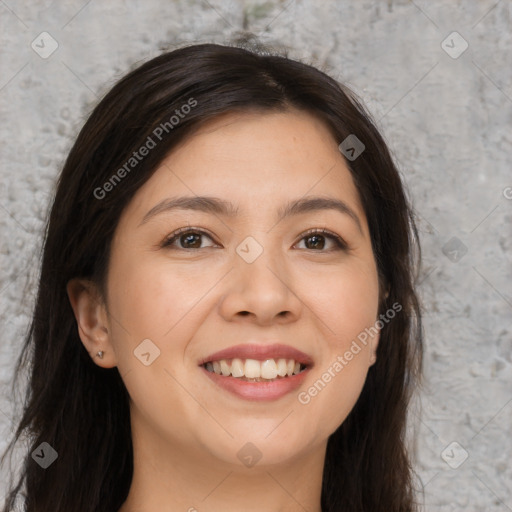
x=82, y=410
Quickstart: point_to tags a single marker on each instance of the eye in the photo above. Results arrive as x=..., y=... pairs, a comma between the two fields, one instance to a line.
x=188, y=238
x=316, y=238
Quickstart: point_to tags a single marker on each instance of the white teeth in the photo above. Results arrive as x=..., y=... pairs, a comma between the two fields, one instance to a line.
x=224, y=368
x=252, y=369
x=269, y=369
x=281, y=367
x=237, y=368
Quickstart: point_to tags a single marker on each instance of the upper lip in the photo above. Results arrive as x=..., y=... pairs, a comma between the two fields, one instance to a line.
x=260, y=353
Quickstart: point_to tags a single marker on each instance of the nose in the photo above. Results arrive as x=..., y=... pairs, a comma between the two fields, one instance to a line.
x=261, y=292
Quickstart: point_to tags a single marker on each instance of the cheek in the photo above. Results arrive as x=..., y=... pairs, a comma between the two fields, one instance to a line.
x=335, y=385
x=156, y=302
x=345, y=300
x=332, y=395
x=144, y=304
x=151, y=296
x=346, y=306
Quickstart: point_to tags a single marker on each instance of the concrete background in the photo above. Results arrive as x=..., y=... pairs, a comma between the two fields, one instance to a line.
x=447, y=120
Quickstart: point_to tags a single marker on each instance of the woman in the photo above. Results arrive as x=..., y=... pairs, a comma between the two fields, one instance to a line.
x=226, y=317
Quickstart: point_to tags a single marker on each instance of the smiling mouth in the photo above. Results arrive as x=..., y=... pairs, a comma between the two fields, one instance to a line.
x=252, y=370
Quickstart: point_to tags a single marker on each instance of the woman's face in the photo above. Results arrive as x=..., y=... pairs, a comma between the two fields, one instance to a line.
x=243, y=273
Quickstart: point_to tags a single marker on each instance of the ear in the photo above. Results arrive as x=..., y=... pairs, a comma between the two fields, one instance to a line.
x=384, y=290
x=373, y=349
x=374, y=344
x=92, y=319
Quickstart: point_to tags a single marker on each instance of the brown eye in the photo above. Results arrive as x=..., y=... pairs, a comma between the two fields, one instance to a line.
x=186, y=238
x=316, y=240
x=190, y=241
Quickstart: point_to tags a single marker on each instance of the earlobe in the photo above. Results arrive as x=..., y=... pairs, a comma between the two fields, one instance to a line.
x=375, y=342
x=373, y=349
x=91, y=319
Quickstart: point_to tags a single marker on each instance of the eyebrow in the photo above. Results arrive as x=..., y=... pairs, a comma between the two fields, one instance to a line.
x=217, y=206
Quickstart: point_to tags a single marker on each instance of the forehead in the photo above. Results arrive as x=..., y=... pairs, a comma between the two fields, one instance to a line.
x=255, y=160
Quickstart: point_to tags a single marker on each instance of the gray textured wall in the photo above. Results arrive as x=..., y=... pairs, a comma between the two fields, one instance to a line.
x=446, y=115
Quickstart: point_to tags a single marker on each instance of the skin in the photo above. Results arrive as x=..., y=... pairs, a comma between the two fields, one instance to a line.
x=193, y=302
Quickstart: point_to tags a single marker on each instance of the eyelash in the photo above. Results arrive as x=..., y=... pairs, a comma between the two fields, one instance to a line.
x=341, y=245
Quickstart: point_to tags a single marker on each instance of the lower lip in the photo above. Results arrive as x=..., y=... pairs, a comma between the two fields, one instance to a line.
x=258, y=391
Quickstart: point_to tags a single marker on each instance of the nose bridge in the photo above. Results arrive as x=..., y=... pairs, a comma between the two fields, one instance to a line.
x=260, y=265
x=259, y=282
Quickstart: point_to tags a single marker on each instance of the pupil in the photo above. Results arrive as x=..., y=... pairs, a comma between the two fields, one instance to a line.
x=188, y=237
x=316, y=237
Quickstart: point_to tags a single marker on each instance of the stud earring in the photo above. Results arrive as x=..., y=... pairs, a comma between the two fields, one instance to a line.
x=100, y=354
